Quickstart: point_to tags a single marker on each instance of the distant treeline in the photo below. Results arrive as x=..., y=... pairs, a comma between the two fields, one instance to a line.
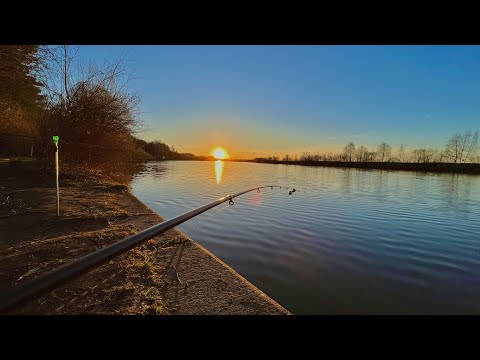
x=161, y=151
x=459, y=149
x=460, y=155
x=464, y=168
x=45, y=91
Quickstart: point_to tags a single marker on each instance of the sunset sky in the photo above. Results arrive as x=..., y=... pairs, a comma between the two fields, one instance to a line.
x=277, y=100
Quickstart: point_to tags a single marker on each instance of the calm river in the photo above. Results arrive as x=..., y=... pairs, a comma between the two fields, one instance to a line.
x=349, y=242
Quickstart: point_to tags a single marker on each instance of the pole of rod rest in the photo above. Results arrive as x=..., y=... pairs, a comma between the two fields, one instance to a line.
x=56, y=175
x=38, y=286
x=55, y=140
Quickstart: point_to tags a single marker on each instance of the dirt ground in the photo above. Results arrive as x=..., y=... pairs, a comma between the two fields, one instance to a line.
x=169, y=274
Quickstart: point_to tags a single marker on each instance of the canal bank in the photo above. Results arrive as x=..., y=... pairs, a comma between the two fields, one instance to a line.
x=456, y=168
x=170, y=274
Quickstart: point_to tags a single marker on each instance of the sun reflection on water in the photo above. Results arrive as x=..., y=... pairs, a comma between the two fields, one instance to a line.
x=218, y=170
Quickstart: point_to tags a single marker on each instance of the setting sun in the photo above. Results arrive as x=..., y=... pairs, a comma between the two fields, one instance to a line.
x=219, y=153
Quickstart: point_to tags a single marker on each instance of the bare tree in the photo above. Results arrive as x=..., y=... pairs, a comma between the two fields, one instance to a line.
x=462, y=147
x=472, y=147
x=306, y=156
x=442, y=156
x=361, y=153
x=90, y=106
x=384, y=151
x=424, y=155
x=349, y=151
x=370, y=156
x=401, y=154
x=453, y=147
x=417, y=155
x=429, y=155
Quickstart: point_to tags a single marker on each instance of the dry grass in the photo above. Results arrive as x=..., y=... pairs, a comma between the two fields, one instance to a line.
x=93, y=214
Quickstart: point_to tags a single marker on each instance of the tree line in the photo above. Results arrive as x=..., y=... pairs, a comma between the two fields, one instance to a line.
x=45, y=91
x=460, y=148
x=161, y=151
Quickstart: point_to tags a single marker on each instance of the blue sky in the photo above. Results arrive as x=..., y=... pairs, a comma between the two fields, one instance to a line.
x=259, y=100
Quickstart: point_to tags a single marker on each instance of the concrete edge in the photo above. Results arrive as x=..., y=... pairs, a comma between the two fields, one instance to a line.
x=240, y=277
x=256, y=290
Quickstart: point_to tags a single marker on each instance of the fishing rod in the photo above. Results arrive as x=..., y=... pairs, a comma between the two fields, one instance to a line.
x=38, y=286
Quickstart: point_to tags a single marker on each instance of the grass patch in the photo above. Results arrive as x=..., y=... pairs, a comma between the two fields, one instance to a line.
x=152, y=295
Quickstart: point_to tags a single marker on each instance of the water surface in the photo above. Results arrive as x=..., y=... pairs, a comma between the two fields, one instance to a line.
x=351, y=241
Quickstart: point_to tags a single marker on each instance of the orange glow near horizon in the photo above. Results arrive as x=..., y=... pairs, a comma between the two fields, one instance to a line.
x=219, y=153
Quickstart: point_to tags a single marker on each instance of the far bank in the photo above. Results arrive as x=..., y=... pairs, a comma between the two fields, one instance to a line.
x=469, y=168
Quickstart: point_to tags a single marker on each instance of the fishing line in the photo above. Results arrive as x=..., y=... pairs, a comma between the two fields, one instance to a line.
x=223, y=208
x=192, y=225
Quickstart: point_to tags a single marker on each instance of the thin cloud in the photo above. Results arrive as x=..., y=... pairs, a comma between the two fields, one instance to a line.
x=361, y=135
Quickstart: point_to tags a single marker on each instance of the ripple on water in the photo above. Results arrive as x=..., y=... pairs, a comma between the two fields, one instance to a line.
x=350, y=241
